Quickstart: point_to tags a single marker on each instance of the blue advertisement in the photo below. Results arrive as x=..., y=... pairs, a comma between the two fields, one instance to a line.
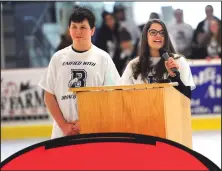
x=206, y=98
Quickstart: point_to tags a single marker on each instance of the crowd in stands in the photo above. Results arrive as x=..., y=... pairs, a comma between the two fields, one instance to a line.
x=120, y=37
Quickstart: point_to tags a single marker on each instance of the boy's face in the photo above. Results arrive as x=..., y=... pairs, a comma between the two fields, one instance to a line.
x=81, y=32
x=178, y=15
x=209, y=11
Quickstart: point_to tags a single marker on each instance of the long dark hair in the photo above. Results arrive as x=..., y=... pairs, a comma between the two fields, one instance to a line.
x=143, y=66
x=218, y=36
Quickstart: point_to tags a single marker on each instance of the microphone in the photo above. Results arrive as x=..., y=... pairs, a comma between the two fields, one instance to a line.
x=164, y=54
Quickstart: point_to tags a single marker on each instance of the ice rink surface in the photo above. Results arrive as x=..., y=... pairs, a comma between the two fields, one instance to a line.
x=205, y=143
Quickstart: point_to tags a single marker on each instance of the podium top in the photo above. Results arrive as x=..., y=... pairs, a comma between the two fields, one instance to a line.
x=124, y=87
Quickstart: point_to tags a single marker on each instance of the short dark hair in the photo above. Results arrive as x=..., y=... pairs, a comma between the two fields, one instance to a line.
x=209, y=6
x=154, y=15
x=79, y=14
x=124, y=35
x=105, y=13
x=118, y=8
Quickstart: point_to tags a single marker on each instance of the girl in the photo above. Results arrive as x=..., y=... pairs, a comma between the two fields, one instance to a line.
x=150, y=67
x=213, y=41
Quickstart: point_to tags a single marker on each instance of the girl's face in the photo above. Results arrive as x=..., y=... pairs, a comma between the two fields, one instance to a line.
x=214, y=26
x=155, y=36
x=110, y=21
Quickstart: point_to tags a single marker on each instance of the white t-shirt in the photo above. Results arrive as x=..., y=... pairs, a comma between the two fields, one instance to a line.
x=182, y=35
x=69, y=69
x=184, y=69
x=213, y=48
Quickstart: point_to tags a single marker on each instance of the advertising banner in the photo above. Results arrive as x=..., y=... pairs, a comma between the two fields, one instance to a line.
x=20, y=95
x=206, y=98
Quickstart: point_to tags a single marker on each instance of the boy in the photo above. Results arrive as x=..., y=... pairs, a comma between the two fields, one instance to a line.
x=79, y=65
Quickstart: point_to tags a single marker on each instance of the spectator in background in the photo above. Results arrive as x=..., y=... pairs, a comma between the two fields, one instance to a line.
x=199, y=49
x=107, y=37
x=182, y=34
x=154, y=15
x=213, y=40
x=128, y=23
x=66, y=40
x=126, y=52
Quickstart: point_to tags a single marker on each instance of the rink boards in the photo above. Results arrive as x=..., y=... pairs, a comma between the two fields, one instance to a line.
x=24, y=114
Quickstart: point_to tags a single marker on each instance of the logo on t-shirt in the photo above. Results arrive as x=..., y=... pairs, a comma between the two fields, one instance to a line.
x=78, y=78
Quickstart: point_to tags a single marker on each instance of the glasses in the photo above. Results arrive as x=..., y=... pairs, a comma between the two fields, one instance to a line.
x=155, y=32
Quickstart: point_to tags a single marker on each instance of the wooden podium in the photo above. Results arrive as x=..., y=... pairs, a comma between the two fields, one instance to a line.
x=150, y=109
